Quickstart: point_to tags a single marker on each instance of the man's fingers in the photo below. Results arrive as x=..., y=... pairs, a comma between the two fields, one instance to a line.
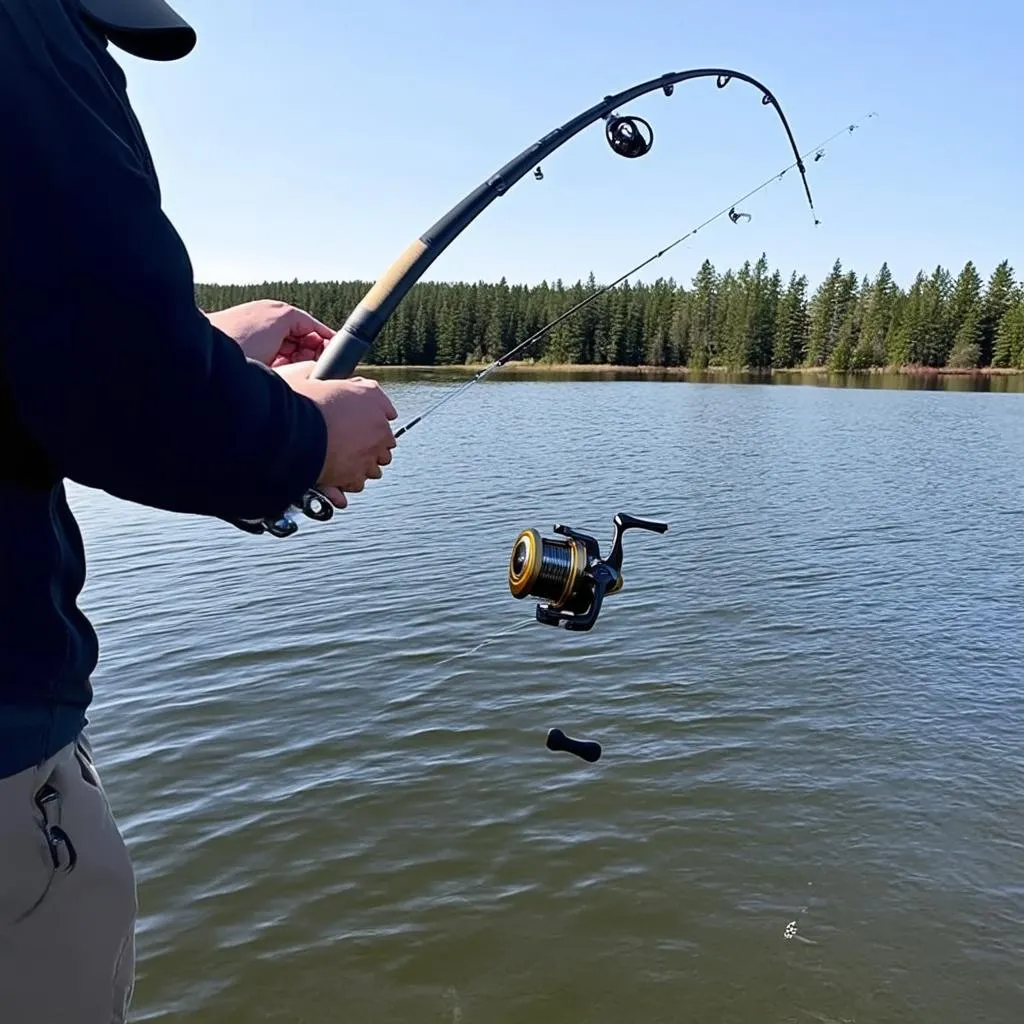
x=300, y=323
x=334, y=496
x=389, y=409
x=311, y=339
x=300, y=371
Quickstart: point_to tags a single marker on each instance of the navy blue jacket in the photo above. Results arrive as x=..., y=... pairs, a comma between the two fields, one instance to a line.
x=109, y=374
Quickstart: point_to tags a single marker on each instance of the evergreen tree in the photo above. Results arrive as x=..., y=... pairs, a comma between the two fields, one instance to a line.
x=1009, y=343
x=963, y=320
x=704, y=304
x=906, y=335
x=993, y=308
x=879, y=307
x=827, y=310
x=768, y=292
x=792, y=324
x=742, y=318
x=737, y=301
x=966, y=351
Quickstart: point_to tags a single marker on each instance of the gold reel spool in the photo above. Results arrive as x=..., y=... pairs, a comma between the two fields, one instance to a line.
x=545, y=567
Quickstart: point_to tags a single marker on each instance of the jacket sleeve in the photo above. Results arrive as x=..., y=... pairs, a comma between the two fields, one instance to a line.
x=113, y=370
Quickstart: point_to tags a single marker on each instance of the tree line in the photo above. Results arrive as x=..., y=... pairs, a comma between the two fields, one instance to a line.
x=750, y=318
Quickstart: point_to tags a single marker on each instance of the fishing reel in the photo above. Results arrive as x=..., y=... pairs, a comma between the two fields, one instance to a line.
x=570, y=574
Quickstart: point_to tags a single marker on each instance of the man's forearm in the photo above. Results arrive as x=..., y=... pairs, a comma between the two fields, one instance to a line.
x=123, y=383
x=191, y=425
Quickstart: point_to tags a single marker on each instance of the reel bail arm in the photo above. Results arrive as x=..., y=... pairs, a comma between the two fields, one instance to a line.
x=571, y=575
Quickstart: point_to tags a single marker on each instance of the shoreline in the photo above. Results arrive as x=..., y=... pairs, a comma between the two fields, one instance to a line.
x=529, y=366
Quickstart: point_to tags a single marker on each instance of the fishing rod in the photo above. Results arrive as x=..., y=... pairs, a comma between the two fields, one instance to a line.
x=568, y=573
x=626, y=136
x=629, y=136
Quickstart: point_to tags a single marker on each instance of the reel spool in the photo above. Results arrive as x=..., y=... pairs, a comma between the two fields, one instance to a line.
x=570, y=575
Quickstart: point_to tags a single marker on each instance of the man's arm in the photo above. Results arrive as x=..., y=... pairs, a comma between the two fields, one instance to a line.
x=121, y=380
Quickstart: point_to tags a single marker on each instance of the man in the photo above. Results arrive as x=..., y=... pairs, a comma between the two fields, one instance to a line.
x=110, y=376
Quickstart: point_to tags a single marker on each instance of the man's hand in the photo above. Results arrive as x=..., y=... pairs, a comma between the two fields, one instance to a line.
x=359, y=438
x=273, y=333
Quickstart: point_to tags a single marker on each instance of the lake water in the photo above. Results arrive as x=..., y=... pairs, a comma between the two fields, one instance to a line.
x=809, y=695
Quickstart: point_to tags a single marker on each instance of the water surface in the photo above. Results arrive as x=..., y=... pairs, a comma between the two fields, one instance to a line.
x=808, y=693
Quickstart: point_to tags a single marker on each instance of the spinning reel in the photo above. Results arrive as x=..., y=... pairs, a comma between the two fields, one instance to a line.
x=570, y=575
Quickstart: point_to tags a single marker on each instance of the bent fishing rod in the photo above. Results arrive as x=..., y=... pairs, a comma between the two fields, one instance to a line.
x=628, y=136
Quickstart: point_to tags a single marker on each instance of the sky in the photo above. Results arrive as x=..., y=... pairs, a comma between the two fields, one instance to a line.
x=315, y=139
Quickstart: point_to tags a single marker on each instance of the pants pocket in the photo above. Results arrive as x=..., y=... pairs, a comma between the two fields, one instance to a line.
x=69, y=904
x=31, y=855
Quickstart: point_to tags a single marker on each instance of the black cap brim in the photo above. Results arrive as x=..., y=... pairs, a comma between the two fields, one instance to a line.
x=149, y=29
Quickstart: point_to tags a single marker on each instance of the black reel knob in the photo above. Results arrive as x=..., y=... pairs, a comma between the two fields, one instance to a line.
x=589, y=750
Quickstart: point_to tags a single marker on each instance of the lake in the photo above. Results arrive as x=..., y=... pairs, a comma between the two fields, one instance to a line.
x=327, y=752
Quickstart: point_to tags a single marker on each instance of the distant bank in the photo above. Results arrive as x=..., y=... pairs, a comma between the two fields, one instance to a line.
x=596, y=369
x=895, y=378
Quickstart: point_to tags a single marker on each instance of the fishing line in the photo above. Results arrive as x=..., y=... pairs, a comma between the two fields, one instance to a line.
x=493, y=638
x=536, y=336
x=484, y=643
x=556, y=739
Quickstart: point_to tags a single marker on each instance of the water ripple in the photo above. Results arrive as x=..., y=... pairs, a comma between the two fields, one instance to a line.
x=337, y=793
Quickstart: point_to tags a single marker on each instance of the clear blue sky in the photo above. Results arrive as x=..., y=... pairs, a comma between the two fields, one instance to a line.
x=315, y=139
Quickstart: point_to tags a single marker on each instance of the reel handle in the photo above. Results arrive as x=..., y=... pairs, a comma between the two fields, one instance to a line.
x=627, y=522
x=623, y=522
x=587, y=749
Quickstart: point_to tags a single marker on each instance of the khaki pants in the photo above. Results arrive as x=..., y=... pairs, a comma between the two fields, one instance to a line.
x=67, y=897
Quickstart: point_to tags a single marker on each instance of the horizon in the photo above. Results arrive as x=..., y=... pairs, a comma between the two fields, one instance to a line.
x=669, y=279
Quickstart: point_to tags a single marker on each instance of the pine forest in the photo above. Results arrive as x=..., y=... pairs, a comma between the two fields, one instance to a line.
x=751, y=318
